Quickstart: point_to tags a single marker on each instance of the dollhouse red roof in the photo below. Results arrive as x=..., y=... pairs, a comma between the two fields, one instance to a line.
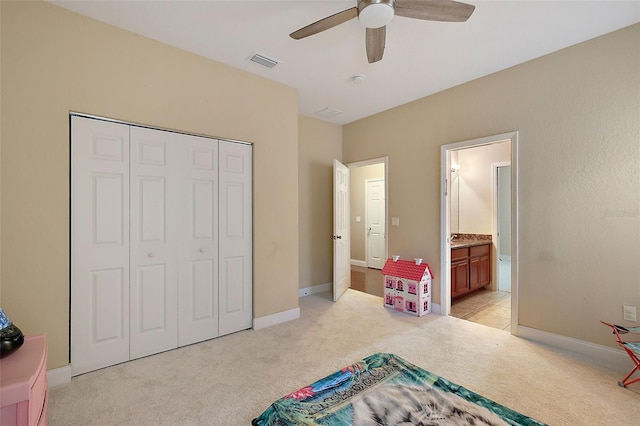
x=406, y=269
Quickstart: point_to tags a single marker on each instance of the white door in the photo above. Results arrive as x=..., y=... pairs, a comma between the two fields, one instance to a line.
x=236, y=236
x=341, y=236
x=99, y=244
x=375, y=226
x=198, y=262
x=156, y=200
x=504, y=227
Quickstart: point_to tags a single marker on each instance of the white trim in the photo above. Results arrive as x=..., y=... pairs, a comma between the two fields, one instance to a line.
x=315, y=289
x=610, y=358
x=145, y=126
x=362, y=263
x=277, y=318
x=436, y=308
x=59, y=376
x=445, y=226
x=370, y=162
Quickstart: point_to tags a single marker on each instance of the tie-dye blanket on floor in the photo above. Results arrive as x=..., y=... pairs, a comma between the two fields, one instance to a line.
x=384, y=389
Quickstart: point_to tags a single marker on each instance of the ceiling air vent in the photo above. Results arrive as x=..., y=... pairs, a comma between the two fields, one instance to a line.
x=263, y=60
x=328, y=112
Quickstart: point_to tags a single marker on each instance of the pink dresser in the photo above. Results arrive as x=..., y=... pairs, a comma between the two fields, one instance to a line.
x=23, y=384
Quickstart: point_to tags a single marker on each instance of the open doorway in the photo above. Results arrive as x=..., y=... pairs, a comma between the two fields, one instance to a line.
x=479, y=261
x=368, y=221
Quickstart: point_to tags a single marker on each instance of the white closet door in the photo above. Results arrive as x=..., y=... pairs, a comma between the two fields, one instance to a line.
x=99, y=244
x=236, y=235
x=156, y=199
x=198, y=271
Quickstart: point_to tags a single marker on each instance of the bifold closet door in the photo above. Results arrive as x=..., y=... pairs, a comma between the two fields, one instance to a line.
x=99, y=244
x=198, y=254
x=236, y=237
x=161, y=241
x=157, y=199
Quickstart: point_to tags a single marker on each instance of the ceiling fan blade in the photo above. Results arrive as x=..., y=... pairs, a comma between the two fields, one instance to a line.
x=325, y=23
x=434, y=10
x=375, y=43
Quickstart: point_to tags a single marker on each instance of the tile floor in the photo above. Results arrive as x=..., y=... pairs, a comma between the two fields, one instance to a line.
x=487, y=307
x=490, y=308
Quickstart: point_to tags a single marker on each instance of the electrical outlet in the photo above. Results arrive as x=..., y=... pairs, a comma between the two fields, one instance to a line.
x=629, y=313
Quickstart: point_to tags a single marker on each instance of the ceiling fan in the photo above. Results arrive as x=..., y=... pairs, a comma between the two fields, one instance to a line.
x=376, y=14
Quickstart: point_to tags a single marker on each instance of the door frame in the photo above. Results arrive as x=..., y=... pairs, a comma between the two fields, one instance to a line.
x=445, y=219
x=370, y=162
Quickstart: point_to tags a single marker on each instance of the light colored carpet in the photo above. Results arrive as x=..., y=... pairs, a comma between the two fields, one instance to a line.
x=232, y=379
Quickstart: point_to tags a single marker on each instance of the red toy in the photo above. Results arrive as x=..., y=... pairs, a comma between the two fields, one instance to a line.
x=631, y=348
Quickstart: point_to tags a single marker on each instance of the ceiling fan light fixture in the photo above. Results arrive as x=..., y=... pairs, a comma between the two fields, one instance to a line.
x=375, y=13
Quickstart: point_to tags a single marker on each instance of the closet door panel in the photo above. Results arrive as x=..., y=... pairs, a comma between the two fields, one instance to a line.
x=233, y=276
x=152, y=286
x=236, y=237
x=153, y=206
x=99, y=244
x=106, y=304
x=155, y=202
x=198, y=290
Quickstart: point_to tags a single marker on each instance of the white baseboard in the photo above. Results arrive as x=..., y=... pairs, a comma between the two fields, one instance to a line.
x=59, y=376
x=273, y=319
x=355, y=262
x=603, y=355
x=320, y=288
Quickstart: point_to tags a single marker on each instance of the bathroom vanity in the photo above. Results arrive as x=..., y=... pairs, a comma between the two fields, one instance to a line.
x=470, y=265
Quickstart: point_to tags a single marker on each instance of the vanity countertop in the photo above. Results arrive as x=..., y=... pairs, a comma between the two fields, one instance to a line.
x=468, y=243
x=469, y=240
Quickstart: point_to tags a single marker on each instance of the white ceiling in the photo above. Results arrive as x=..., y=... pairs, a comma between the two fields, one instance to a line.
x=420, y=58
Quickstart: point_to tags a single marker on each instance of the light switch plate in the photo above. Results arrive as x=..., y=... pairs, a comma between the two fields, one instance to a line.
x=629, y=313
x=395, y=221
x=357, y=218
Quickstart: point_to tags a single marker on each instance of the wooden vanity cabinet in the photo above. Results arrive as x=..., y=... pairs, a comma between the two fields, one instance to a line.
x=470, y=269
x=459, y=271
x=479, y=266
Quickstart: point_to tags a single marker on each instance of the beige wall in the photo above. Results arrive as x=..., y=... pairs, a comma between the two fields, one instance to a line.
x=358, y=191
x=319, y=144
x=53, y=62
x=577, y=112
x=475, y=186
x=1, y=159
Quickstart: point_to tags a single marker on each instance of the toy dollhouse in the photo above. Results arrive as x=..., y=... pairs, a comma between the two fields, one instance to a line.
x=407, y=286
